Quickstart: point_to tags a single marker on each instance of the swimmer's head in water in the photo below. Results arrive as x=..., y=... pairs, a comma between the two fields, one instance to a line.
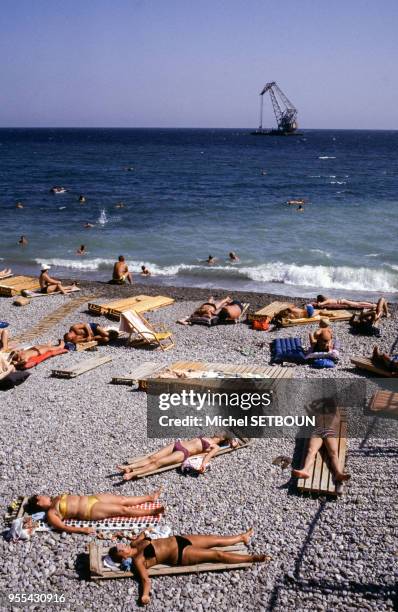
x=143, y=268
x=324, y=322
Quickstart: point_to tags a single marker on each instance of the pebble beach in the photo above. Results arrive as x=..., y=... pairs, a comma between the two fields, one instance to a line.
x=68, y=436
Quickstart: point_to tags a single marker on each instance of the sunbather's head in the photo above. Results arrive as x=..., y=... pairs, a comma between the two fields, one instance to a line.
x=121, y=552
x=70, y=337
x=38, y=503
x=206, y=310
x=324, y=322
x=321, y=298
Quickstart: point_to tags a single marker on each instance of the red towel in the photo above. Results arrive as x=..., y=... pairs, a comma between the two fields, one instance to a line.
x=34, y=361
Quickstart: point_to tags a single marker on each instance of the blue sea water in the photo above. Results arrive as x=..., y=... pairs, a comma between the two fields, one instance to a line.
x=189, y=193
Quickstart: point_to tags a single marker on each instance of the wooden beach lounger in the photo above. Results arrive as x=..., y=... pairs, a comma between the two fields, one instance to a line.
x=384, y=404
x=243, y=443
x=117, y=523
x=334, y=316
x=139, y=303
x=321, y=480
x=141, y=331
x=364, y=363
x=267, y=313
x=16, y=284
x=198, y=368
x=98, y=571
x=147, y=369
x=38, y=294
x=81, y=368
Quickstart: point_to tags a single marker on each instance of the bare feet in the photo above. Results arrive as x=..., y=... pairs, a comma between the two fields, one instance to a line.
x=261, y=558
x=123, y=468
x=300, y=474
x=247, y=536
x=340, y=477
x=129, y=475
x=157, y=494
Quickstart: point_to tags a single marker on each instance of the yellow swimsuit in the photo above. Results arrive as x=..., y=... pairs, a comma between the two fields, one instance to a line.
x=91, y=501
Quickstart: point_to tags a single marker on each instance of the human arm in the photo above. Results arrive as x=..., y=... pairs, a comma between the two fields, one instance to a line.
x=55, y=521
x=144, y=579
x=209, y=456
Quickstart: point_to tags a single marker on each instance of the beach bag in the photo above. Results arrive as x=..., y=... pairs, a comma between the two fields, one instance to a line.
x=260, y=325
x=323, y=363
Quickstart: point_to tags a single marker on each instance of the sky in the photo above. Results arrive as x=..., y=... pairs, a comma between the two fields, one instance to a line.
x=197, y=63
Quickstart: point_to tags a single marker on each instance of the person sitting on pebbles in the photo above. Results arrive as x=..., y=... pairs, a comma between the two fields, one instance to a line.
x=322, y=339
x=177, y=452
x=226, y=308
x=90, y=508
x=85, y=332
x=143, y=553
x=327, y=420
x=52, y=285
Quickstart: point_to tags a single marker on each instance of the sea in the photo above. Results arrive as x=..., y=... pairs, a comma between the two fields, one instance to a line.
x=190, y=193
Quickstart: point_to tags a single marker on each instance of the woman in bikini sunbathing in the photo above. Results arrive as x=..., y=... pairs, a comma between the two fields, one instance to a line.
x=19, y=357
x=179, y=551
x=324, y=434
x=177, y=452
x=90, y=508
x=227, y=308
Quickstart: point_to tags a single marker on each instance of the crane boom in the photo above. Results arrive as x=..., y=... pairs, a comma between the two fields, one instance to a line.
x=285, y=112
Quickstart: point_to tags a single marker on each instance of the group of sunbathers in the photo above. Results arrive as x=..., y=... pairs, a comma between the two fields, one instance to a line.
x=225, y=309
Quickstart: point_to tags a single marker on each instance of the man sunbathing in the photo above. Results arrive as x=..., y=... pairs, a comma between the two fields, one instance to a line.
x=52, y=285
x=325, y=302
x=19, y=357
x=226, y=308
x=143, y=553
x=367, y=320
x=84, y=332
x=5, y=272
x=176, y=453
x=90, y=508
x=325, y=433
x=121, y=272
x=322, y=340
x=390, y=362
x=295, y=312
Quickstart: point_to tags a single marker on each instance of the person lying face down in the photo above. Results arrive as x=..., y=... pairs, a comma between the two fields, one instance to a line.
x=176, y=453
x=143, y=553
x=83, y=332
x=90, y=508
x=226, y=308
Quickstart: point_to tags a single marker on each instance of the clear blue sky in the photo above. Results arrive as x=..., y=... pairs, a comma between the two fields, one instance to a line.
x=197, y=63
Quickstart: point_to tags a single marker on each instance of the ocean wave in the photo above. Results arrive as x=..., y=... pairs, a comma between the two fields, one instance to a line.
x=326, y=157
x=78, y=264
x=320, y=252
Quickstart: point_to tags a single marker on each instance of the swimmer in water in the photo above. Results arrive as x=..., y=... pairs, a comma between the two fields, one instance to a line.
x=145, y=271
x=81, y=250
x=211, y=260
x=300, y=208
x=19, y=205
x=88, y=225
x=120, y=205
x=23, y=241
x=233, y=257
x=82, y=199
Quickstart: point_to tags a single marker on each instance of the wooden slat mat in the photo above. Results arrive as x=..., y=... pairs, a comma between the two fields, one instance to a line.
x=97, y=551
x=139, y=303
x=50, y=320
x=268, y=312
x=334, y=316
x=364, y=363
x=14, y=285
x=81, y=367
x=384, y=403
x=321, y=480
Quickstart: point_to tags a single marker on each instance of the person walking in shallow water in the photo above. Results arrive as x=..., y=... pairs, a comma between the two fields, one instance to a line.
x=23, y=241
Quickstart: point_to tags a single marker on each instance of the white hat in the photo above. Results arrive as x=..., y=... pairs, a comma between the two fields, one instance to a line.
x=45, y=267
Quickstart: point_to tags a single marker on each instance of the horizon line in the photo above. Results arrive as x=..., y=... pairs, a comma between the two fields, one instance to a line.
x=121, y=127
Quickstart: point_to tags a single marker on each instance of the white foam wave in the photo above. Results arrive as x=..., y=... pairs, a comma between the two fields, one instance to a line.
x=78, y=264
x=327, y=277
x=103, y=219
x=321, y=252
x=326, y=157
x=372, y=255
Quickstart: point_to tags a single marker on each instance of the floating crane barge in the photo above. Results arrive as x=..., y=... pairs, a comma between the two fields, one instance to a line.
x=285, y=113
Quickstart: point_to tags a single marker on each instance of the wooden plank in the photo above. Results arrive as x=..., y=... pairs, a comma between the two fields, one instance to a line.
x=98, y=571
x=243, y=443
x=364, y=363
x=81, y=368
x=139, y=303
x=384, y=403
x=268, y=312
x=333, y=316
x=86, y=346
x=143, y=371
x=13, y=286
x=321, y=480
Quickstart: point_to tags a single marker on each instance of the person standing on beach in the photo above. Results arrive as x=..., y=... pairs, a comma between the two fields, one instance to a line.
x=121, y=272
